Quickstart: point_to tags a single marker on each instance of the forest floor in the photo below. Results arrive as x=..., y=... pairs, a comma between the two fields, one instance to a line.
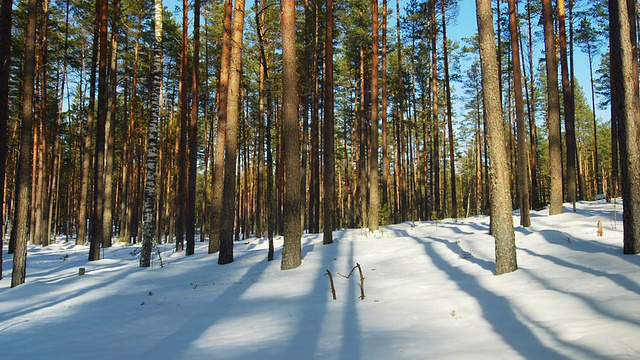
x=430, y=293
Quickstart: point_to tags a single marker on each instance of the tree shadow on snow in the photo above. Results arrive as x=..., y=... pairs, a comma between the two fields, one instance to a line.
x=497, y=310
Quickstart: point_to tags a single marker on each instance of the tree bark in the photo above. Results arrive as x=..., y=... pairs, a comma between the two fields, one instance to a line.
x=190, y=213
x=505, y=247
x=374, y=193
x=20, y=227
x=362, y=193
x=435, y=156
x=217, y=186
x=183, y=158
x=400, y=168
x=110, y=131
x=329, y=130
x=292, y=251
x=386, y=165
x=231, y=145
x=624, y=81
x=6, y=12
x=149, y=218
x=523, y=156
x=452, y=164
x=553, y=111
x=569, y=110
x=535, y=182
x=97, y=233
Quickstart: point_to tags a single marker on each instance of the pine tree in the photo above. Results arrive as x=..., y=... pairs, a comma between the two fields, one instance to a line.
x=231, y=145
x=523, y=156
x=328, y=131
x=97, y=233
x=6, y=10
x=20, y=227
x=292, y=251
x=624, y=86
x=217, y=183
x=553, y=111
x=502, y=220
x=374, y=197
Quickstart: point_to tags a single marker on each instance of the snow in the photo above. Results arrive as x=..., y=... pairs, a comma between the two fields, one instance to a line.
x=430, y=288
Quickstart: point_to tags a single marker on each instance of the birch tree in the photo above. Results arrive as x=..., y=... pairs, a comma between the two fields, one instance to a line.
x=149, y=220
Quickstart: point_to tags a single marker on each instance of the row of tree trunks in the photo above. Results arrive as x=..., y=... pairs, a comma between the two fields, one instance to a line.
x=420, y=181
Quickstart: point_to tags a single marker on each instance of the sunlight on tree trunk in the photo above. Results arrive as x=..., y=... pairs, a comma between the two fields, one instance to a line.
x=553, y=111
x=149, y=219
x=291, y=251
x=624, y=80
x=505, y=247
x=20, y=227
x=231, y=145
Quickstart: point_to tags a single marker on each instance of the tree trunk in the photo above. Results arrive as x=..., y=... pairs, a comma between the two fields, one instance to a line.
x=217, y=183
x=535, y=182
x=400, y=166
x=596, y=161
x=523, y=156
x=435, y=155
x=292, y=251
x=624, y=80
x=183, y=178
x=231, y=145
x=190, y=213
x=265, y=110
x=553, y=111
x=569, y=109
x=505, y=247
x=374, y=197
x=329, y=130
x=361, y=163
x=110, y=132
x=314, y=201
x=20, y=227
x=452, y=165
x=97, y=233
x=386, y=165
x=6, y=9
x=149, y=218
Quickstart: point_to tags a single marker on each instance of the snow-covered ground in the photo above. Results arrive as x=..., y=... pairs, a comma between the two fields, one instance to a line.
x=430, y=288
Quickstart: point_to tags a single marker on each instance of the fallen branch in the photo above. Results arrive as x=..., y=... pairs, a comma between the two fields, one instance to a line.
x=333, y=288
x=361, y=279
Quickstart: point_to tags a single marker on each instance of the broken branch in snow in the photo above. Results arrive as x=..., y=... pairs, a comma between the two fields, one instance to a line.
x=361, y=279
x=333, y=288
